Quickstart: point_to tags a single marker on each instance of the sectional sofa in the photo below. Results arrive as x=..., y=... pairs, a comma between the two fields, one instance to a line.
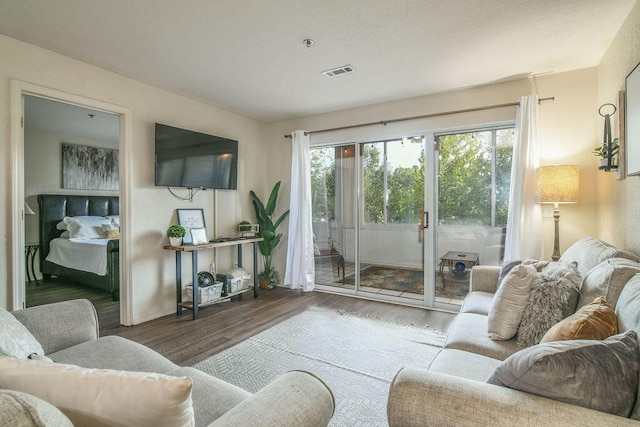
x=455, y=391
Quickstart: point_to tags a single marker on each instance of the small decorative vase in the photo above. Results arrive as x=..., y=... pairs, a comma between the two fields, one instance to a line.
x=175, y=241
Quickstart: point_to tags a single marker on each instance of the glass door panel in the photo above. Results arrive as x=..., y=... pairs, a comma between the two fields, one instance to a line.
x=333, y=190
x=473, y=176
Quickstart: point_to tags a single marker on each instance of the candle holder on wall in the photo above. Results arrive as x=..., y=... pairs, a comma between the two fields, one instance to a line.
x=608, y=151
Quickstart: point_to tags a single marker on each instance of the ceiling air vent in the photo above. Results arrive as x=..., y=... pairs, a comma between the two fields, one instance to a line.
x=345, y=69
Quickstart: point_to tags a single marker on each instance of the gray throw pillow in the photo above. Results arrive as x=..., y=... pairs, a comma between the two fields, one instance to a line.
x=600, y=375
x=554, y=295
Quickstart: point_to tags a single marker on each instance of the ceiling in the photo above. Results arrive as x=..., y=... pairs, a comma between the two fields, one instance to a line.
x=248, y=56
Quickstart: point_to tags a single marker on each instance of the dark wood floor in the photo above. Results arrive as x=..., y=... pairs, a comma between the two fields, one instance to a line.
x=186, y=342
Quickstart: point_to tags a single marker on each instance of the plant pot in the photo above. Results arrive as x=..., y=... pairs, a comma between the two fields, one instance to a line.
x=175, y=241
x=264, y=283
x=602, y=164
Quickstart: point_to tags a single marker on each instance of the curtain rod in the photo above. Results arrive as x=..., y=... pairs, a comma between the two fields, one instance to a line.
x=424, y=116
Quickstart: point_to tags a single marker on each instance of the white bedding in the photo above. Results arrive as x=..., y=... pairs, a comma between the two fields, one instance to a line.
x=80, y=254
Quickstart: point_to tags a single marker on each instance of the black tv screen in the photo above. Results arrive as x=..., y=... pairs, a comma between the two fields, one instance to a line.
x=191, y=159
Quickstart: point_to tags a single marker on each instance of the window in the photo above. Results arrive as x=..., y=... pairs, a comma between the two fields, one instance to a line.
x=393, y=174
x=474, y=177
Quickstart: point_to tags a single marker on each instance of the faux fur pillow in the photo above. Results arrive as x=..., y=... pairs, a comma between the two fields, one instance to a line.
x=554, y=294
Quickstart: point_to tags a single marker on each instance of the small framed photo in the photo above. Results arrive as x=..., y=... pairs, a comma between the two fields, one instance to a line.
x=190, y=218
x=199, y=236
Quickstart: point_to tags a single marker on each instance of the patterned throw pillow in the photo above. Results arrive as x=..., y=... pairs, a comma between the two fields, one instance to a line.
x=600, y=375
x=554, y=295
x=16, y=340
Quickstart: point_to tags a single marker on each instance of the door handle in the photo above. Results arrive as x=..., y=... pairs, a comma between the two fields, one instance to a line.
x=424, y=219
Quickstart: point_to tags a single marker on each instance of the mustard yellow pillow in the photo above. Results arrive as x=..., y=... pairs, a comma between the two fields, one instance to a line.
x=594, y=321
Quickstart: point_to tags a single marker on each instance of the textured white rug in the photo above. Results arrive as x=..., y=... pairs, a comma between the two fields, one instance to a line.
x=356, y=356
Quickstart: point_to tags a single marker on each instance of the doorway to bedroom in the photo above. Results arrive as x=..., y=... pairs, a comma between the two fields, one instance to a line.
x=69, y=150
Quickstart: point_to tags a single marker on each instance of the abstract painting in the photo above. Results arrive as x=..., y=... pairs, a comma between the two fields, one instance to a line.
x=89, y=168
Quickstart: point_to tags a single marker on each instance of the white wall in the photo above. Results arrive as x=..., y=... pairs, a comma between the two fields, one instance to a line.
x=567, y=133
x=619, y=201
x=153, y=269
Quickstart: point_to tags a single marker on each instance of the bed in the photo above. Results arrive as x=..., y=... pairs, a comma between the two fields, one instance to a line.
x=53, y=208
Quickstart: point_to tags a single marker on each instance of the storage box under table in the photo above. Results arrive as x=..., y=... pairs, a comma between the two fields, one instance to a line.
x=206, y=294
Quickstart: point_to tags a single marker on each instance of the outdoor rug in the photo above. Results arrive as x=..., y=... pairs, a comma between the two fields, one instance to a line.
x=405, y=280
x=356, y=356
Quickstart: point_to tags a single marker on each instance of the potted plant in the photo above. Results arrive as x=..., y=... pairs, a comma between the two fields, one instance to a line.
x=607, y=161
x=176, y=232
x=268, y=231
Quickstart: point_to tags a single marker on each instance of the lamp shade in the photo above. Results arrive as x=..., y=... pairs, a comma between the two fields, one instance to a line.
x=557, y=184
x=27, y=209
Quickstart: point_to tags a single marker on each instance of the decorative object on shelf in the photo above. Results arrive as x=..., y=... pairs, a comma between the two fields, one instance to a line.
x=190, y=218
x=205, y=279
x=199, y=236
x=557, y=184
x=176, y=232
x=268, y=231
x=608, y=151
x=246, y=229
x=459, y=269
x=632, y=124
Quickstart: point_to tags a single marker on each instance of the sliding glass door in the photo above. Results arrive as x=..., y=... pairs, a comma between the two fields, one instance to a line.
x=367, y=203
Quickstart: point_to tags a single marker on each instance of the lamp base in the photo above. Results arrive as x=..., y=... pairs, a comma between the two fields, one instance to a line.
x=556, y=240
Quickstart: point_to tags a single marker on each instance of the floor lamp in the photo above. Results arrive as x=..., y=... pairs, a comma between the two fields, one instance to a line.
x=557, y=184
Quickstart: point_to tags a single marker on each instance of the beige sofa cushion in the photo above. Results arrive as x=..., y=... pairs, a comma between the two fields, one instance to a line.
x=464, y=364
x=509, y=302
x=607, y=280
x=589, y=252
x=102, y=397
x=468, y=332
x=21, y=409
x=15, y=339
x=477, y=302
x=595, y=321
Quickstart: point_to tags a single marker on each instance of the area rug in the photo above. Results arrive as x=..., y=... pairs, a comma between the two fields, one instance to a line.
x=356, y=356
x=406, y=280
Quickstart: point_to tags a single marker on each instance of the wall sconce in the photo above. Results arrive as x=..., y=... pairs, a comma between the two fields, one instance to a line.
x=608, y=151
x=557, y=184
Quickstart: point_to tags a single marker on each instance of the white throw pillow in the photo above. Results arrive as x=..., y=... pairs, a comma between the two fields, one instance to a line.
x=509, y=302
x=15, y=338
x=86, y=227
x=103, y=397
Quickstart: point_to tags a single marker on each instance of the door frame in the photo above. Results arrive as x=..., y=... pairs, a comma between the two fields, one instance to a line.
x=17, y=297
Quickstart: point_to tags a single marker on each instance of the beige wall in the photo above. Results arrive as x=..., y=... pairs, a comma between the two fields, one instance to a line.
x=153, y=269
x=567, y=132
x=619, y=200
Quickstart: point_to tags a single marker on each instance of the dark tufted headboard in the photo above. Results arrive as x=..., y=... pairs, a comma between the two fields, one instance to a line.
x=54, y=207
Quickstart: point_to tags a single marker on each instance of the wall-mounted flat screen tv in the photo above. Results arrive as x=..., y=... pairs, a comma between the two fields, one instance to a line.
x=191, y=159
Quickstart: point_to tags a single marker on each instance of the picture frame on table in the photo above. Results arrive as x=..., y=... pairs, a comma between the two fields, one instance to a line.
x=199, y=236
x=189, y=219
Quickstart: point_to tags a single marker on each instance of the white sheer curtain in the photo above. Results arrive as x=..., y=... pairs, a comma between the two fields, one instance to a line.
x=300, y=268
x=524, y=222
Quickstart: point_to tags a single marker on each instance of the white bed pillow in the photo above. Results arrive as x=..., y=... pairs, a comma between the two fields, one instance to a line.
x=103, y=397
x=510, y=302
x=15, y=338
x=86, y=227
x=61, y=225
x=115, y=219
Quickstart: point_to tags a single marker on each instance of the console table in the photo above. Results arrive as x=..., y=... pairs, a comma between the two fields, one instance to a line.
x=194, y=306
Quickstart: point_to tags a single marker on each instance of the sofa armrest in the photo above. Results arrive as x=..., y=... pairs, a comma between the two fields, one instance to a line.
x=60, y=325
x=484, y=278
x=422, y=398
x=294, y=399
